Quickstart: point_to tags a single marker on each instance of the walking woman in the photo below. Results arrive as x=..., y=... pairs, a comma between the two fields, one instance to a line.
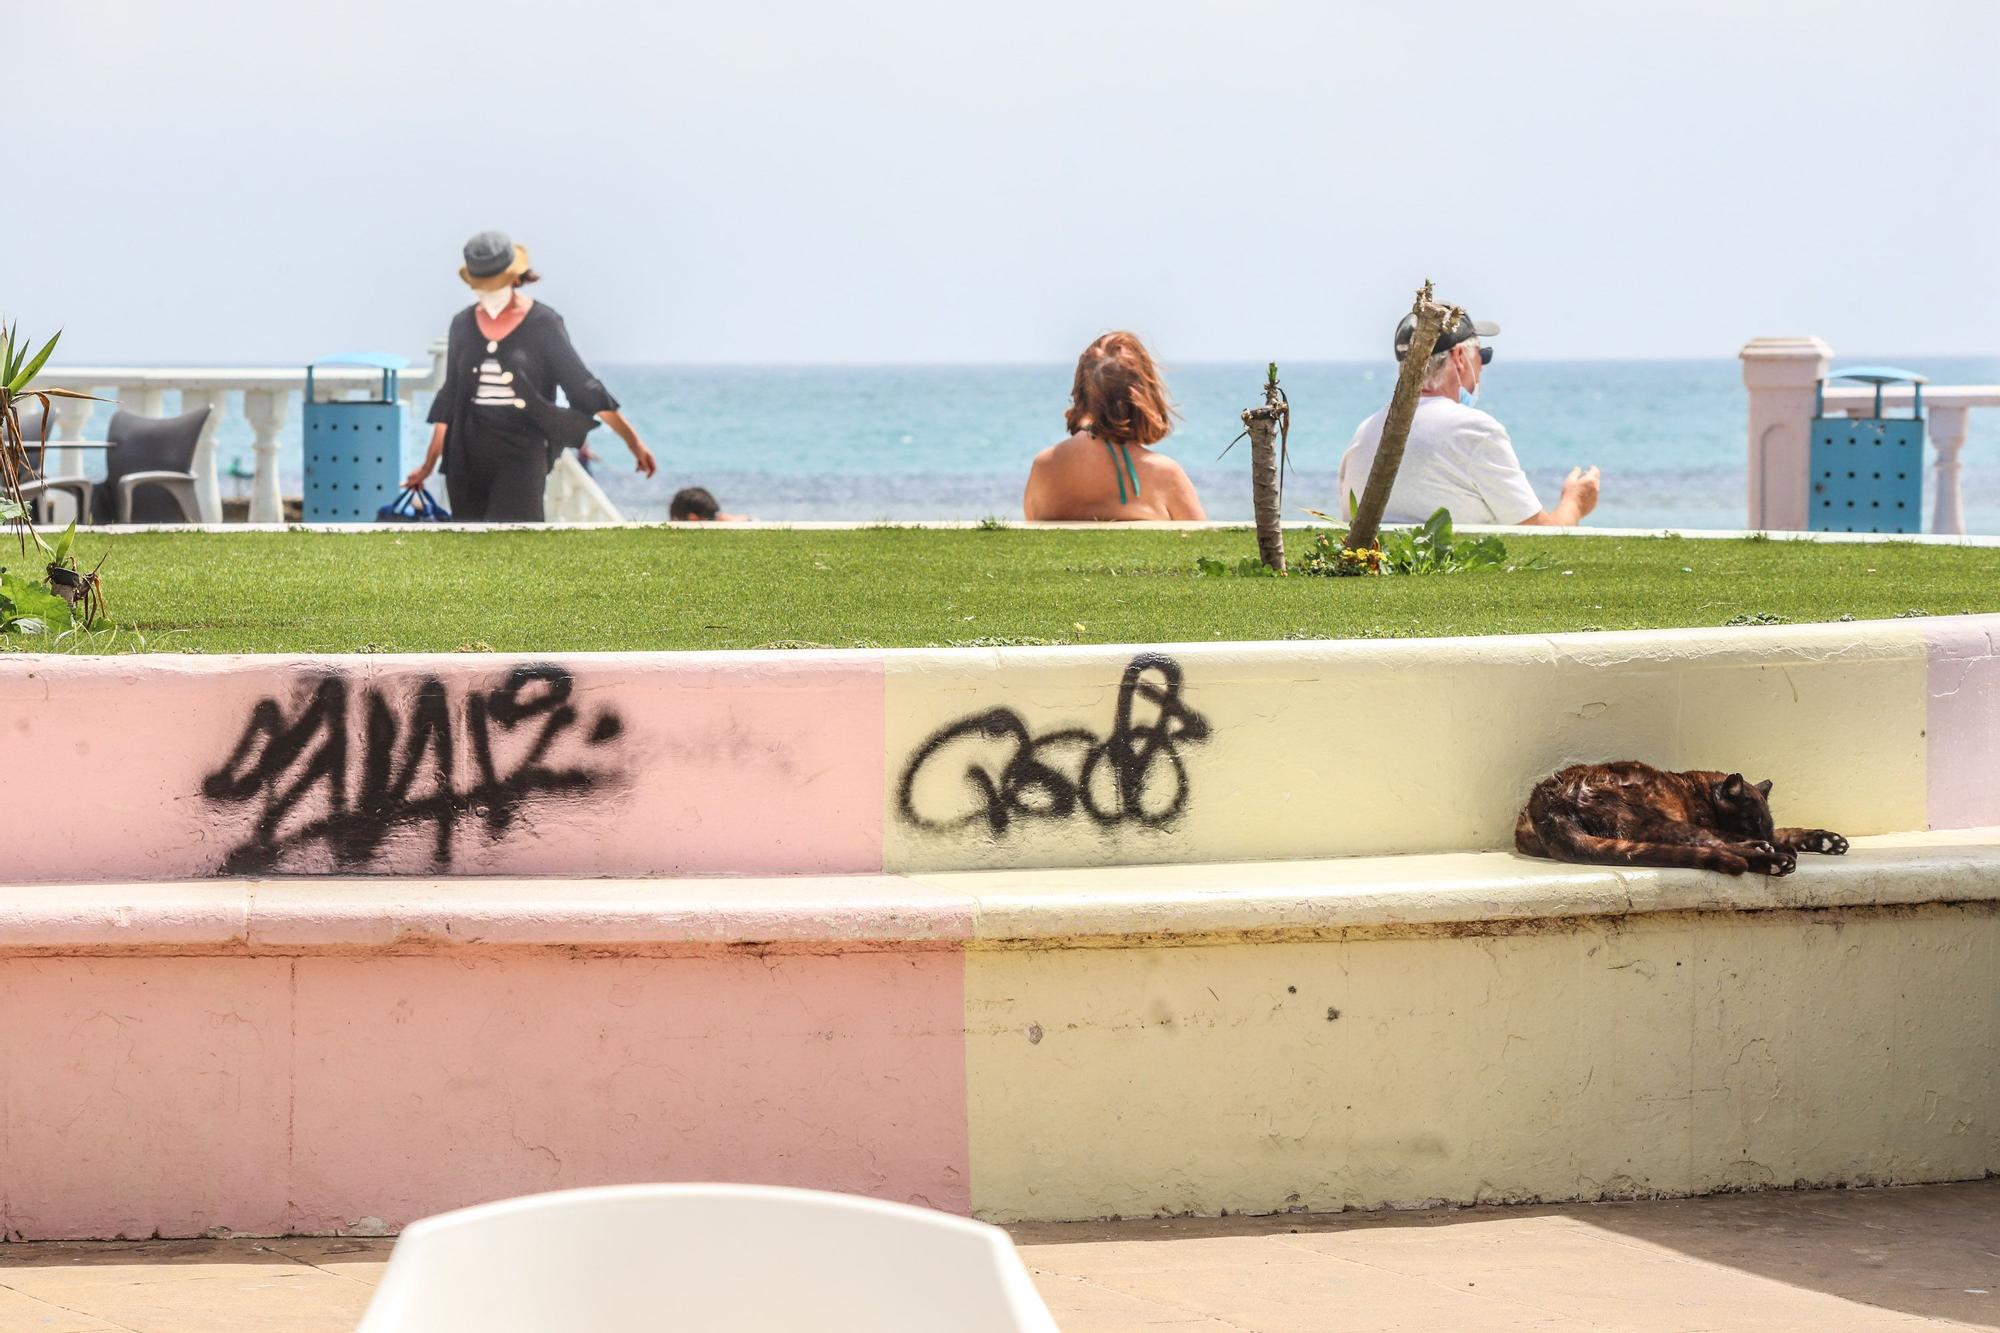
x=497, y=427
x=1106, y=469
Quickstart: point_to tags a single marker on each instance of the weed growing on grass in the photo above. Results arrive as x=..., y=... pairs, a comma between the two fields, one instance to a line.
x=1249, y=567
x=1758, y=618
x=1432, y=547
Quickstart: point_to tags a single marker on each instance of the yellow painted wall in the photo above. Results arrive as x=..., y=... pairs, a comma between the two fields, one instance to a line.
x=1461, y=730
x=1680, y=1053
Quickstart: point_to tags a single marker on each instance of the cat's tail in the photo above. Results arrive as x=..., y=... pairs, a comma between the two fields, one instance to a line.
x=1557, y=835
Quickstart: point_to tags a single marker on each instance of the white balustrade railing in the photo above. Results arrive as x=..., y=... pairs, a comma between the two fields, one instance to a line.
x=1783, y=374
x=266, y=396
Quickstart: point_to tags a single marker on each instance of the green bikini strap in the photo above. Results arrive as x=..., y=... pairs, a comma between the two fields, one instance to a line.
x=1129, y=469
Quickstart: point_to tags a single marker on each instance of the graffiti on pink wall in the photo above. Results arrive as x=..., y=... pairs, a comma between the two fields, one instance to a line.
x=1133, y=774
x=346, y=767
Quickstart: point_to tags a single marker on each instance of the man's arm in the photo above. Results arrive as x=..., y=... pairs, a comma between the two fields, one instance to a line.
x=1579, y=498
x=1496, y=472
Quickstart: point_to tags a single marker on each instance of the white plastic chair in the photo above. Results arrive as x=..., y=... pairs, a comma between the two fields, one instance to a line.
x=742, y=1258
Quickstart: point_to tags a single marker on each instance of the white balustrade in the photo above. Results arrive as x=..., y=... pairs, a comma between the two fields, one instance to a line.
x=265, y=409
x=266, y=396
x=207, y=493
x=573, y=495
x=1782, y=375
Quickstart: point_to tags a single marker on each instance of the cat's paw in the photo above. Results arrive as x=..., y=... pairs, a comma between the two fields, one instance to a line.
x=1766, y=859
x=1823, y=841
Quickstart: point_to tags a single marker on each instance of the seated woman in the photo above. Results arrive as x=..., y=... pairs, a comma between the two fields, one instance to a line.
x=1107, y=469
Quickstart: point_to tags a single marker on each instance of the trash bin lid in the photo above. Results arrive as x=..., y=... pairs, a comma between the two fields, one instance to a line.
x=373, y=360
x=1878, y=375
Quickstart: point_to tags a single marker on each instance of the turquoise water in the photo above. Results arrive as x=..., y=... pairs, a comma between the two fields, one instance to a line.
x=866, y=442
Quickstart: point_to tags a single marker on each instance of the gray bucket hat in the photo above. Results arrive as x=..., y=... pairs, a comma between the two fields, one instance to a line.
x=492, y=260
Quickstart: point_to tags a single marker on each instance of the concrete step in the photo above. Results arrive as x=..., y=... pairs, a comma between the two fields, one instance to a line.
x=347, y=1054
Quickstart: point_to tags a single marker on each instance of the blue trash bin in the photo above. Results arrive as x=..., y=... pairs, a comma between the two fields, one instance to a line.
x=354, y=446
x=1868, y=472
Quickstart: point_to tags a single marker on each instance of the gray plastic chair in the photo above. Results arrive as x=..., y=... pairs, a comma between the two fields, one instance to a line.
x=157, y=452
x=180, y=485
x=39, y=490
x=43, y=489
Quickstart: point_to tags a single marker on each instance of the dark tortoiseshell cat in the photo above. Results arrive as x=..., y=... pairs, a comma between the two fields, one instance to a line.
x=1628, y=813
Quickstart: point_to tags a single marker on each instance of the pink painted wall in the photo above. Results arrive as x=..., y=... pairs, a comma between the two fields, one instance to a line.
x=1963, y=723
x=656, y=764
x=176, y=1095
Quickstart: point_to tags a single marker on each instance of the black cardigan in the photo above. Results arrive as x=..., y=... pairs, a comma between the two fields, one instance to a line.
x=541, y=359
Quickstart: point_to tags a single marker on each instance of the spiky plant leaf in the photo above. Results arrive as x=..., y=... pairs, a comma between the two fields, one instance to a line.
x=22, y=377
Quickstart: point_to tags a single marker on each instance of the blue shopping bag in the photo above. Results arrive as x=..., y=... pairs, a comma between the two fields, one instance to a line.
x=413, y=505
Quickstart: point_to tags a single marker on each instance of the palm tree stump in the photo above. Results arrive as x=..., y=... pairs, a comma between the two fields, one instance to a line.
x=1432, y=320
x=1269, y=428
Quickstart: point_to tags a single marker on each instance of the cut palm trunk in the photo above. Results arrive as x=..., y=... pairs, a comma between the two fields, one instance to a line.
x=1269, y=428
x=1432, y=320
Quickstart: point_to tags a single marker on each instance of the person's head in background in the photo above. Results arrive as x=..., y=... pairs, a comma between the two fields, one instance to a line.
x=1117, y=395
x=693, y=504
x=1459, y=360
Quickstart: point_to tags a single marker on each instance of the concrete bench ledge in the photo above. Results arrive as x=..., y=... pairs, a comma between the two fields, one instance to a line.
x=1458, y=892
x=652, y=766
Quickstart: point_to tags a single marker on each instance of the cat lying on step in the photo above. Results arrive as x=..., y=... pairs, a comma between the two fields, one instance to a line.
x=1628, y=813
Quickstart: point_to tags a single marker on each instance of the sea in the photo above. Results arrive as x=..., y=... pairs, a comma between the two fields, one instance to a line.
x=863, y=442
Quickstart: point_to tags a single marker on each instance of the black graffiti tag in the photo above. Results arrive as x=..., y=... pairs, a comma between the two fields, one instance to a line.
x=407, y=768
x=1135, y=774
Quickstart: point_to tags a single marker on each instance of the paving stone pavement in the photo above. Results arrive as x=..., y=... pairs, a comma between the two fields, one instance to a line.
x=1923, y=1257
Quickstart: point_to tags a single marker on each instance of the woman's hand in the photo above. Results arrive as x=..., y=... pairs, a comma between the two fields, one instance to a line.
x=642, y=457
x=415, y=481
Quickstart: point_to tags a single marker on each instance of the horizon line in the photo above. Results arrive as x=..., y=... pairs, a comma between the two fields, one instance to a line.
x=1009, y=363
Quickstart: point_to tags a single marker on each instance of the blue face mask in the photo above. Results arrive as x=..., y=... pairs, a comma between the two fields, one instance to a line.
x=1470, y=397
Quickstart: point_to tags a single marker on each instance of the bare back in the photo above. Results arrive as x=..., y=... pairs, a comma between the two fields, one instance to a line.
x=1078, y=481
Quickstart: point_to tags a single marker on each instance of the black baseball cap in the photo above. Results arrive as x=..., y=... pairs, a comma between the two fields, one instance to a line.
x=1464, y=330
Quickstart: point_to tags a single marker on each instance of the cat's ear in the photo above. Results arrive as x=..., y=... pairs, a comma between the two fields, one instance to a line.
x=1764, y=787
x=1731, y=787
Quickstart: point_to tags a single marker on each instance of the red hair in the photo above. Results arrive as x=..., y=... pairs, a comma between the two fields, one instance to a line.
x=1118, y=396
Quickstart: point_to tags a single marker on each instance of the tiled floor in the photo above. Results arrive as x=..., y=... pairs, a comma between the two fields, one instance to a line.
x=1841, y=1260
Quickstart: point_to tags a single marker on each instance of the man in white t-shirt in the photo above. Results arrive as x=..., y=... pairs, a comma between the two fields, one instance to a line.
x=1458, y=457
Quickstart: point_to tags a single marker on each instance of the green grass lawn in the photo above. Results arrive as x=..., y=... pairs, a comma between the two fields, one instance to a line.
x=555, y=590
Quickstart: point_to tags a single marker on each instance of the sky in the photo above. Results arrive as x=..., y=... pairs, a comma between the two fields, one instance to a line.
x=209, y=182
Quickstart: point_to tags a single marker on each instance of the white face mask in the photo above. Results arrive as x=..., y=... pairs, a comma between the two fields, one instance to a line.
x=495, y=301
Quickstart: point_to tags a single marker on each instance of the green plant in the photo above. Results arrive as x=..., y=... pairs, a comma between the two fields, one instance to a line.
x=1432, y=547
x=63, y=602
x=20, y=362
x=28, y=608
x=1249, y=567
